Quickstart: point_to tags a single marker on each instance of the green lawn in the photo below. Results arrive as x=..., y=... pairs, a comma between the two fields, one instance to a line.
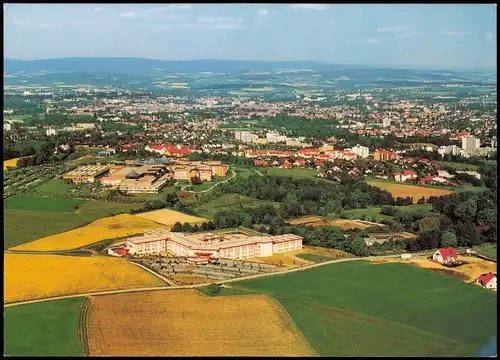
x=362, y=309
x=226, y=202
x=54, y=187
x=22, y=226
x=313, y=257
x=23, y=202
x=43, y=329
x=458, y=166
x=490, y=252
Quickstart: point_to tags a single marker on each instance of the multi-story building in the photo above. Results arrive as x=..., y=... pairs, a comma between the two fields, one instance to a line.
x=245, y=136
x=361, y=151
x=470, y=143
x=7, y=126
x=275, y=137
x=451, y=149
x=51, y=132
x=203, y=246
x=384, y=155
x=86, y=173
x=386, y=122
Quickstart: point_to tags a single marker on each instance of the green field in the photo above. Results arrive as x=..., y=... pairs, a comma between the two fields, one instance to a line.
x=226, y=202
x=374, y=212
x=22, y=226
x=43, y=329
x=23, y=202
x=490, y=252
x=54, y=187
x=362, y=309
x=458, y=166
x=313, y=257
x=296, y=172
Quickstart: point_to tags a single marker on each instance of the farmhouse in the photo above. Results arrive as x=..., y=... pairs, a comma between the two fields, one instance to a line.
x=86, y=173
x=445, y=255
x=489, y=281
x=407, y=175
x=202, y=246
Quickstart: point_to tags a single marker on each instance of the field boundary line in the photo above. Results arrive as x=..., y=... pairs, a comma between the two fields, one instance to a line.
x=282, y=311
x=82, y=328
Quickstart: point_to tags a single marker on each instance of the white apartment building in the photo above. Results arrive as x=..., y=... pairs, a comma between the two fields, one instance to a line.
x=7, y=127
x=451, y=149
x=386, y=122
x=275, y=137
x=245, y=136
x=361, y=151
x=470, y=143
x=210, y=245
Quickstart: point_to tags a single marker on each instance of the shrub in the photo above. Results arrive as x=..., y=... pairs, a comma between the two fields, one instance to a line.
x=213, y=288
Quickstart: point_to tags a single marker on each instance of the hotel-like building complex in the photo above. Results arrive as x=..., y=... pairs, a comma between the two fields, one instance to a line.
x=202, y=246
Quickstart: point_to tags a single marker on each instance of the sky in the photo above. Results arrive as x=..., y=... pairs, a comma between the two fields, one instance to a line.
x=451, y=36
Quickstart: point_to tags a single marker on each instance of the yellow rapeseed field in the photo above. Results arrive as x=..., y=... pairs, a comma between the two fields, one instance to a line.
x=11, y=162
x=170, y=217
x=187, y=323
x=28, y=277
x=102, y=229
x=409, y=190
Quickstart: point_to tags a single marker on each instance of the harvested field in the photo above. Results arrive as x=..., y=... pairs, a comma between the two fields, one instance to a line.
x=344, y=224
x=305, y=220
x=188, y=323
x=469, y=272
x=400, y=190
x=28, y=277
x=170, y=217
x=107, y=228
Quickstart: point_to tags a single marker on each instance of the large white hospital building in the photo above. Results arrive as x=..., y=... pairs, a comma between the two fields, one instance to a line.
x=202, y=246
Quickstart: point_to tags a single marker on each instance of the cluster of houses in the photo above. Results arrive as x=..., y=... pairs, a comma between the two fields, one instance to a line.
x=448, y=256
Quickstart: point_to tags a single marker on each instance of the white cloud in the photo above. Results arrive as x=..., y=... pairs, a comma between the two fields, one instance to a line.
x=319, y=7
x=29, y=24
x=371, y=41
x=127, y=14
x=262, y=12
x=489, y=36
x=211, y=19
x=170, y=12
x=408, y=35
x=395, y=29
x=454, y=33
x=97, y=9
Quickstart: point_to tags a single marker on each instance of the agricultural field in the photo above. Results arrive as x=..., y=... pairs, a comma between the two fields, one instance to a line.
x=469, y=272
x=10, y=163
x=342, y=223
x=226, y=202
x=458, y=166
x=169, y=217
x=22, y=226
x=356, y=308
x=374, y=212
x=400, y=190
x=293, y=259
x=106, y=228
x=188, y=323
x=43, y=329
x=23, y=202
x=29, y=276
x=54, y=187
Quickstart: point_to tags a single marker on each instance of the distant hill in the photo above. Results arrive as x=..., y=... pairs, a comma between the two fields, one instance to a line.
x=141, y=66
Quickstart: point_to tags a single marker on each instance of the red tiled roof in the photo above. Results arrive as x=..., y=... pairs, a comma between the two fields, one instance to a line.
x=445, y=252
x=485, y=278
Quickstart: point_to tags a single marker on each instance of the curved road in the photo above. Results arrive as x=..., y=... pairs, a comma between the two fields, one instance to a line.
x=210, y=188
x=285, y=271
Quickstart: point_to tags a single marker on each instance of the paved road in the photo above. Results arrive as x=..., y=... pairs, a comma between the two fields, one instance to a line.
x=210, y=188
x=258, y=172
x=285, y=271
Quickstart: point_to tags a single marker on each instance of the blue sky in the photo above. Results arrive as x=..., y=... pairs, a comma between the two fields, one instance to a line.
x=436, y=36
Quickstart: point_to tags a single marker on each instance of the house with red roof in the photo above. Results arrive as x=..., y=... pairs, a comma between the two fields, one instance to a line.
x=260, y=163
x=488, y=281
x=286, y=165
x=299, y=162
x=445, y=255
x=433, y=178
x=406, y=175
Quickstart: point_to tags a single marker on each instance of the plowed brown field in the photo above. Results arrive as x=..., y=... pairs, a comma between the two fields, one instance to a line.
x=187, y=323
